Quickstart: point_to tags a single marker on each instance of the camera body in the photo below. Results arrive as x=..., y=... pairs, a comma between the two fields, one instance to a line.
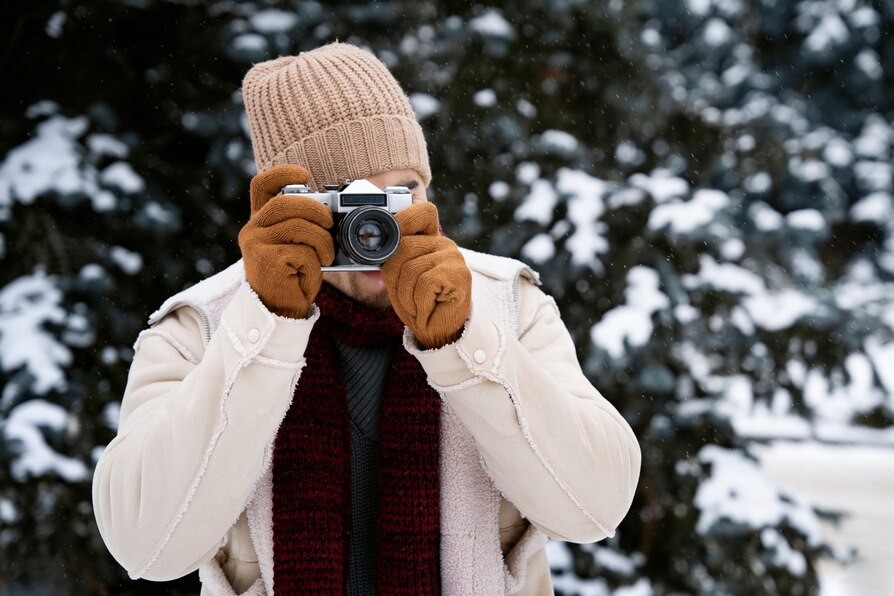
x=365, y=232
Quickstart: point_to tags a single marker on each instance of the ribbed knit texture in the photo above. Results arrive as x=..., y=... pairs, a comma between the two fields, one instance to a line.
x=364, y=514
x=364, y=369
x=312, y=465
x=336, y=111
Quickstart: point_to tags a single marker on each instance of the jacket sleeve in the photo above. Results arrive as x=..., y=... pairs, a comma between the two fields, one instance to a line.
x=195, y=434
x=554, y=446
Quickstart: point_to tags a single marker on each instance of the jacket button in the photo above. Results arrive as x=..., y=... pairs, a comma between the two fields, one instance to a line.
x=479, y=356
x=254, y=335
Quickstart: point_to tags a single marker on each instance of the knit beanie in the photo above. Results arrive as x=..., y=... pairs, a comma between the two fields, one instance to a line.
x=336, y=111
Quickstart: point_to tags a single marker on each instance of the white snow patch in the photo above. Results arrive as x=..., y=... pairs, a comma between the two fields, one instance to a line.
x=424, y=105
x=724, y=277
x=129, y=261
x=271, y=20
x=717, y=32
x=759, y=182
x=838, y=153
x=631, y=324
x=863, y=16
x=808, y=170
x=739, y=491
x=538, y=205
x=650, y=37
x=874, y=175
x=737, y=395
x=876, y=207
x=628, y=153
x=492, y=24
x=740, y=319
x=49, y=161
x=558, y=554
x=26, y=305
x=830, y=31
x=158, y=213
x=683, y=217
x=585, y=207
x=765, y=218
x=686, y=313
x=837, y=399
x=8, y=511
x=783, y=554
x=624, y=196
x=761, y=424
x=526, y=108
x=36, y=457
x=870, y=63
x=806, y=219
x=875, y=138
x=732, y=249
x=92, y=272
x=780, y=310
x=882, y=356
x=250, y=42
x=661, y=184
x=527, y=172
x=44, y=107
x=55, y=23
x=613, y=560
x=498, y=190
x=485, y=98
x=123, y=176
x=539, y=249
x=111, y=414
x=558, y=141
x=699, y=7
x=103, y=144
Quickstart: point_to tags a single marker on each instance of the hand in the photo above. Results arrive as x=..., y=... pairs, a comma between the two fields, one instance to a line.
x=427, y=279
x=285, y=243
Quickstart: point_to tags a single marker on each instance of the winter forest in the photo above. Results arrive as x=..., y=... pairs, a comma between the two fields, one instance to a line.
x=705, y=187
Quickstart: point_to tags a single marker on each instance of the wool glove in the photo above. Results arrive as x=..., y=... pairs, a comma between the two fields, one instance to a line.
x=427, y=279
x=285, y=243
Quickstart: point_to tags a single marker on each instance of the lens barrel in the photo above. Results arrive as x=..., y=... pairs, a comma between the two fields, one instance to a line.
x=368, y=235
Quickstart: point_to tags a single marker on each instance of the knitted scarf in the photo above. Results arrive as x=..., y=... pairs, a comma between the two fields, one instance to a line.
x=312, y=465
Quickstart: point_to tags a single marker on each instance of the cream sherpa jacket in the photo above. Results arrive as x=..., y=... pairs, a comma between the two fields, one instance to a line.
x=529, y=449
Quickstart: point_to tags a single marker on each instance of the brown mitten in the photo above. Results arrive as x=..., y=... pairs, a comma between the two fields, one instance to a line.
x=285, y=243
x=427, y=279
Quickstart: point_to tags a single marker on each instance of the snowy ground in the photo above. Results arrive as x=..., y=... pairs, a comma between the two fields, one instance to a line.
x=855, y=479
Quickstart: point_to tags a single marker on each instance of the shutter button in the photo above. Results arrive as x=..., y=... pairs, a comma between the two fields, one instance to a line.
x=479, y=356
x=254, y=335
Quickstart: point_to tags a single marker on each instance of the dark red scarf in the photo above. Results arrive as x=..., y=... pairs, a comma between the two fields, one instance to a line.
x=312, y=465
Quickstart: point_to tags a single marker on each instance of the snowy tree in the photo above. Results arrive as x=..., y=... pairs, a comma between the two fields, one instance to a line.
x=704, y=185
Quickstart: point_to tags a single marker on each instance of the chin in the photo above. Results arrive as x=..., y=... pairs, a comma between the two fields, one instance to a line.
x=366, y=287
x=370, y=288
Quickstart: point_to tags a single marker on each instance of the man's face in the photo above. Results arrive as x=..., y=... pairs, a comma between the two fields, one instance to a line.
x=368, y=287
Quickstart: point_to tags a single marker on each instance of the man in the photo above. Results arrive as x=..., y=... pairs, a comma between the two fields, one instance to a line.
x=415, y=430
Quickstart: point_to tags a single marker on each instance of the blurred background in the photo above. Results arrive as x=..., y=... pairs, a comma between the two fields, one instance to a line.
x=705, y=186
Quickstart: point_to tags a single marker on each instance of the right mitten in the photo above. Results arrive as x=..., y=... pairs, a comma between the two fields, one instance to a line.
x=428, y=280
x=285, y=243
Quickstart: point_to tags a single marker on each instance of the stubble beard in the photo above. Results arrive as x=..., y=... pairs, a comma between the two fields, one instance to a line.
x=361, y=289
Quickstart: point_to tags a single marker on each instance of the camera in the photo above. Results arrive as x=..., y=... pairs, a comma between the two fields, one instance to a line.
x=365, y=232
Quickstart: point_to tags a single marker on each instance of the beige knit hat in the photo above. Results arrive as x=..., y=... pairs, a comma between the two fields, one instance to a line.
x=337, y=111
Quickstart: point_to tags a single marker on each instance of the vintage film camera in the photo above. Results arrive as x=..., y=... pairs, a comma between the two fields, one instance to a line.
x=364, y=231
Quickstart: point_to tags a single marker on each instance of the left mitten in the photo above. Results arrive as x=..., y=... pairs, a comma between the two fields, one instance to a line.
x=285, y=243
x=427, y=279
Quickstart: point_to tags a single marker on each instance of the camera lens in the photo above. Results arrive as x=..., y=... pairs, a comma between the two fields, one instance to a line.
x=368, y=235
